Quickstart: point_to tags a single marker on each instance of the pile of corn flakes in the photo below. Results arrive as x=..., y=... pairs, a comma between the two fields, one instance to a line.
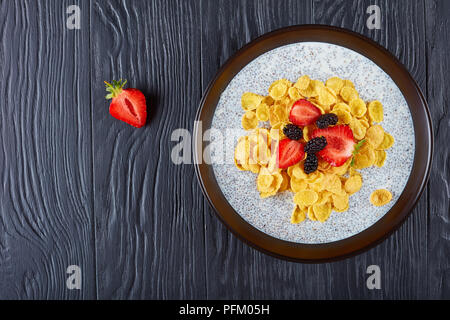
x=329, y=188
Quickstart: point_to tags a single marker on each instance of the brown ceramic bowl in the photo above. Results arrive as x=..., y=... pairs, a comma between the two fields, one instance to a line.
x=391, y=220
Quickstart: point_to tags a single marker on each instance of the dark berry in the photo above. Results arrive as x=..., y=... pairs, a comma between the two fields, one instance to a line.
x=326, y=120
x=311, y=163
x=293, y=132
x=315, y=145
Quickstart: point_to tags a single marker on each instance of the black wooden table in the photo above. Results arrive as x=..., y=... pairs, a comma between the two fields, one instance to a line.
x=78, y=187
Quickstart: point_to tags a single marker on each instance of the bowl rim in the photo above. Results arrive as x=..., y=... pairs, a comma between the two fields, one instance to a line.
x=380, y=230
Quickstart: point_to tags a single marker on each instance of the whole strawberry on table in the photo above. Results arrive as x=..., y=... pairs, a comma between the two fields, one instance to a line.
x=127, y=105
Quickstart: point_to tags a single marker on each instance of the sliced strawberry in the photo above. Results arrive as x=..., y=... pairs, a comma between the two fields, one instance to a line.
x=290, y=152
x=340, y=144
x=304, y=113
x=127, y=105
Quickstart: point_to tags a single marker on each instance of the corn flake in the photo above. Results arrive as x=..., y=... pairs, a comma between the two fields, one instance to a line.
x=306, y=197
x=333, y=183
x=298, y=215
x=307, y=131
x=264, y=182
x=259, y=146
x=242, y=153
x=353, y=184
x=324, y=197
x=285, y=183
x=365, y=158
x=278, y=89
x=375, y=135
x=376, y=111
x=348, y=83
x=250, y=101
x=340, y=202
x=322, y=211
x=302, y=82
x=380, y=197
x=342, y=106
x=298, y=172
x=249, y=120
x=279, y=110
x=335, y=83
x=294, y=93
x=380, y=158
x=364, y=122
x=311, y=90
x=276, y=132
x=262, y=112
x=298, y=185
x=340, y=171
x=387, y=143
x=344, y=117
x=359, y=130
x=310, y=214
x=358, y=107
x=349, y=94
x=268, y=183
x=268, y=100
x=326, y=96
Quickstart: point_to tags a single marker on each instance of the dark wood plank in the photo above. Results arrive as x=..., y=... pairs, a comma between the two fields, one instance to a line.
x=438, y=46
x=149, y=221
x=234, y=270
x=402, y=257
x=46, y=221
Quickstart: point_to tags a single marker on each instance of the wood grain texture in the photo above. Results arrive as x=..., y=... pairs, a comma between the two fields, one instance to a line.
x=438, y=46
x=234, y=270
x=46, y=220
x=149, y=212
x=79, y=187
x=403, y=256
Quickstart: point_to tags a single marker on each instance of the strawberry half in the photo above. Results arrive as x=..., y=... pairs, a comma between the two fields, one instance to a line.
x=127, y=105
x=340, y=144
x=290, y=152
x=304, y=113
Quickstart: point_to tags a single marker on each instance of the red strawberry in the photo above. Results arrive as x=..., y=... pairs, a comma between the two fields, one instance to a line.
x=304, y=113
x=290, y=152
x=340, y=144
x=127, y=105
